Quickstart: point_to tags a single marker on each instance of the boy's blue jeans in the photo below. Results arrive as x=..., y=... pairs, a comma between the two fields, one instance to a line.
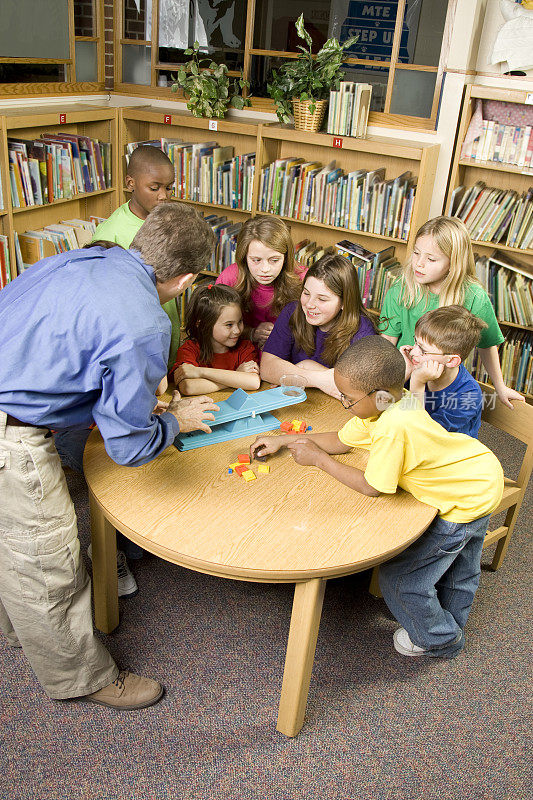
x=70, y=445
x=430, y=586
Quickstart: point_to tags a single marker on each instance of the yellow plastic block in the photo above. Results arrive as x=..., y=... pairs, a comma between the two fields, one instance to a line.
x=248, y=475
x=264, y=469
x=235, y=464
x=296, y=424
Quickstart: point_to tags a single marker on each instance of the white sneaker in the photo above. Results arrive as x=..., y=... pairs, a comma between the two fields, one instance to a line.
x=404, y=645
x=127, y=585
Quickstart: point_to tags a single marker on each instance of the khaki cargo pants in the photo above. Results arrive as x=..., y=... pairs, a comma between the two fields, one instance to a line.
x=45, y=591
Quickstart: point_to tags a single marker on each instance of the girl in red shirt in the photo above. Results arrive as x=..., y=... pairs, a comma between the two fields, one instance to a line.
x=214, y=356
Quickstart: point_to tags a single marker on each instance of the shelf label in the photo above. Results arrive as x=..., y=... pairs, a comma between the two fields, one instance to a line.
x=167, y=119
x=213, y=125
x=62, y=119
x=337, y=141
x=529, y=99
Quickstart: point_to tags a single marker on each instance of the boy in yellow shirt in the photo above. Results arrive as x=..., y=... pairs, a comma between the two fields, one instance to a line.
x=429, y=587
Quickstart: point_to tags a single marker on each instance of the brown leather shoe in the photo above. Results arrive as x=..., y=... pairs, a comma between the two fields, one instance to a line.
x=127, y=692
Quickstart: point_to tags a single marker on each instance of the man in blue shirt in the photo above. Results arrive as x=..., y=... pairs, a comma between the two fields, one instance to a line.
x=84, y=338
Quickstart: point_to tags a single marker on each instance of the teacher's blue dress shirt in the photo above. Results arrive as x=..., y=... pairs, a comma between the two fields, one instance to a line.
x=83, y=337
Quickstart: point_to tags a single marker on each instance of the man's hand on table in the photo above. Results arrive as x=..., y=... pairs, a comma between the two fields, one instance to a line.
x=192, y=411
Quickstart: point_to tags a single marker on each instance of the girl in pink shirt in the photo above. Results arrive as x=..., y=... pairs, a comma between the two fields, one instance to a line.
x=264, y=274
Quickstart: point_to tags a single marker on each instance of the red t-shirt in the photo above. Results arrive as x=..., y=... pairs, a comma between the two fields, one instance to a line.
x=189, y=353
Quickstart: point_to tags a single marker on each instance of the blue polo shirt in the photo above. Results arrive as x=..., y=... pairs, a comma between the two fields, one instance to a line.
x=83, y=338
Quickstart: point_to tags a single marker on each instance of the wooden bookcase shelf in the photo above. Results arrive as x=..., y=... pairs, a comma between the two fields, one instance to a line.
x=145, y=123
x=465, y=172
x=82, y=119
x=373, y=152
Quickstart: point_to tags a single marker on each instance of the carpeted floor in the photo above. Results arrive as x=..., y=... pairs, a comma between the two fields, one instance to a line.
x=379, y=726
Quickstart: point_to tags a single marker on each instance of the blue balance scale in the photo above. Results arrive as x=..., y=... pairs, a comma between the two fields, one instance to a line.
x=242, y=415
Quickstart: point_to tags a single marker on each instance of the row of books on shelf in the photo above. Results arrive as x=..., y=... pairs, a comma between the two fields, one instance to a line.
x=69, y=234
x=226, y=232
x=509, y=286
x=5, y=264
x=504, y=144
x=358, y=201
x=349, y=108
x=207, y=173
x=516, y=362
x=57, y=167
x=375, y=270
x=495, y=215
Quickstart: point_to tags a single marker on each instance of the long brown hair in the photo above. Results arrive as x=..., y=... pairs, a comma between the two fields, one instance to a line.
x=203, y=309
x=273, y=233
x=340, y=278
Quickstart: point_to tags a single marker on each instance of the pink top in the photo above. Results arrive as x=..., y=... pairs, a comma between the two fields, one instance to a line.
x=261, y=297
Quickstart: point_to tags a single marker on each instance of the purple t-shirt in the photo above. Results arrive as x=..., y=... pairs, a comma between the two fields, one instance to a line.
x=281, y=341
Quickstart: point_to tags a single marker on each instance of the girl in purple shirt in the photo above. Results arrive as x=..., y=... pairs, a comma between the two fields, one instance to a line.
x=264, y=274
x=308, y=337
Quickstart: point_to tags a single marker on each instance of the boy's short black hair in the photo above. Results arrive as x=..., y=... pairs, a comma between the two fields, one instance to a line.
x=452, y=329
x=373, y=363
x=144, y=157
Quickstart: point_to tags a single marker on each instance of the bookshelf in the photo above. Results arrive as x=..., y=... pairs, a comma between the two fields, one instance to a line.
x=79, y=119
x=515, y=354
x=147, y=123
x=350, y=154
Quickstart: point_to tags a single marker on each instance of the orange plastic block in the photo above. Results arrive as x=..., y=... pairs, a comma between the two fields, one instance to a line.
x=241, y=468
x=244, y=459
x=286, y=426
x=303, y=427
x=264, y=469
x=248, y=475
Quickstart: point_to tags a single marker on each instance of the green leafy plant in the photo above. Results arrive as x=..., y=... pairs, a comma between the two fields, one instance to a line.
x=307, y=77
x=207, y=86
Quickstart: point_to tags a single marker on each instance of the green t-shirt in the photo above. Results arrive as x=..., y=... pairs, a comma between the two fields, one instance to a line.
x=121, y=228
x=397, y=320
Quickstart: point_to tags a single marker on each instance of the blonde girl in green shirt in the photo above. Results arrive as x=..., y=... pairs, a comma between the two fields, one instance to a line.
x=441, y=272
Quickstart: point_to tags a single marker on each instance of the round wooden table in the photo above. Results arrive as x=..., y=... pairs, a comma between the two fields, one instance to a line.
x=295, y=525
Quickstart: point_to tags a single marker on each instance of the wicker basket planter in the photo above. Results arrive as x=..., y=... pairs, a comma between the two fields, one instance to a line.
x=304, y=120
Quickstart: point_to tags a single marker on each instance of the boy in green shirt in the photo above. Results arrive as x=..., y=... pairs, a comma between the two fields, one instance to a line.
x=150, y=179
x=430, y=586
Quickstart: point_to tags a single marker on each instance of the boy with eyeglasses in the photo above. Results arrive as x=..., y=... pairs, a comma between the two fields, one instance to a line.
x=444, y=338
x=431, y=585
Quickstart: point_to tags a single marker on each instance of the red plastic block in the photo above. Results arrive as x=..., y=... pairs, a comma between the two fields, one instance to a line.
x=303, y=427
x=286, y=426
x=241, y=469
x=244, y=459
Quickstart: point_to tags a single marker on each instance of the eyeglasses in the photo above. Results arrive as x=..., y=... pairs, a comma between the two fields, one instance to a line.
x=428, y=352
x=351, y=405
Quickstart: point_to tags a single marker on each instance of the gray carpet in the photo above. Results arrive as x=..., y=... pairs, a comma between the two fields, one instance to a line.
x=379, y=726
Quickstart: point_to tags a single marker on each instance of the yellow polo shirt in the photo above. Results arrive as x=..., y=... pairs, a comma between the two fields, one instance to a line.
x=452, y=472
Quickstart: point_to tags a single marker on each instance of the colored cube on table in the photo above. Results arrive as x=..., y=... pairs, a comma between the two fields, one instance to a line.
x=303, y=427
x=263, y=469
x=241, y=468
x=244, y=459
x=248, y=475
x=296, y=424
x=286, y=426
x=235, y=464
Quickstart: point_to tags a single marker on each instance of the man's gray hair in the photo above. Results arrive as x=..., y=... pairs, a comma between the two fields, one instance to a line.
x=174, y=240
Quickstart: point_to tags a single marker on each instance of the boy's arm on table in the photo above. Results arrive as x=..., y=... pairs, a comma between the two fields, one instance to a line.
x=192, y=380
x=316, y=449
x=491, y=362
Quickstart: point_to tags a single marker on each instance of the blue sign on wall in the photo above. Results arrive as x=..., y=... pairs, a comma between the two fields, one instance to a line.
x=374, y=23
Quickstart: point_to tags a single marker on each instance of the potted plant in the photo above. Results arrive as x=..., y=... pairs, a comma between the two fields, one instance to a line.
x=306, y=81
x=207, y=86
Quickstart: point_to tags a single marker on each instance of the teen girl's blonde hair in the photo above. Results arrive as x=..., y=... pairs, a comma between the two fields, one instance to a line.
x=339, y=276
x=453, y=239
x=273, y=233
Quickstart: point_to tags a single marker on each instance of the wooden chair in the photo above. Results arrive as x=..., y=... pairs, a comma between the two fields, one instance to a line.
x=517, y=422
